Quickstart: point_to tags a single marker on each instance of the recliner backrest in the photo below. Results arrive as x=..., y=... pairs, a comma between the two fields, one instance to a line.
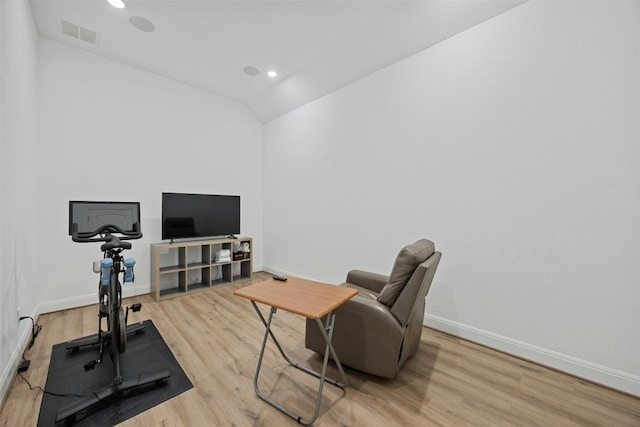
x=404, y=266
x=416, y=289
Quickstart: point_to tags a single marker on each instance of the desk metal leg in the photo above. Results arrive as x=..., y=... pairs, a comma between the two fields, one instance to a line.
x=327, y=333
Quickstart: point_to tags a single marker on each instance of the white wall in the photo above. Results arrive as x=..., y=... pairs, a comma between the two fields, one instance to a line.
x=18, y=280
x=108, y=131
x=514, y=147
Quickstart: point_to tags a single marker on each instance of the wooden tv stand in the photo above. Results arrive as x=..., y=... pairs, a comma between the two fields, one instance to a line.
x=181, y=267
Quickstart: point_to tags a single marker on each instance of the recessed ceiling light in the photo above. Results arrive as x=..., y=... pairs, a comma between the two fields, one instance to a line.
x=116, y=3
x=272, y=73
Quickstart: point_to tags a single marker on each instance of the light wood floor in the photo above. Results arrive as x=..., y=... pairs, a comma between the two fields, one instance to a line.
x=216, y=338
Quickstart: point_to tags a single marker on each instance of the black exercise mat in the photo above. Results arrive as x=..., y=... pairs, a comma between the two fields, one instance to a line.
x=146, y=353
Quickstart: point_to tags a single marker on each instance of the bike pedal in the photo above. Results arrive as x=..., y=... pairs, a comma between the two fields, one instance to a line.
x=90, y=365
x=136, y=307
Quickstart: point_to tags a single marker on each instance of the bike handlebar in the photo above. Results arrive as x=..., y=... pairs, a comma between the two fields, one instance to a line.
x=105, y=234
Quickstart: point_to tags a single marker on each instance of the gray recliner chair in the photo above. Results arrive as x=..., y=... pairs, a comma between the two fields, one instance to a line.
x=380, y=328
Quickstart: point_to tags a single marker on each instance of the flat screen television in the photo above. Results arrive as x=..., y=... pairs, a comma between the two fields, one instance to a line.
x=190, y=216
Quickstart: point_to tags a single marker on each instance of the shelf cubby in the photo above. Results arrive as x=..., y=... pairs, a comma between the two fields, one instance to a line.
x=178, y=268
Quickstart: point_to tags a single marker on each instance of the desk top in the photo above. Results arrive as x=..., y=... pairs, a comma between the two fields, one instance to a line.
x=304, y=297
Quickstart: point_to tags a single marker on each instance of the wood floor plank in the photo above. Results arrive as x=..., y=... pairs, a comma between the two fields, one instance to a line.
x=216, y=338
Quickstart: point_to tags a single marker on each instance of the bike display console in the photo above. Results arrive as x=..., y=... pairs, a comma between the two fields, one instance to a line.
x=181, y=267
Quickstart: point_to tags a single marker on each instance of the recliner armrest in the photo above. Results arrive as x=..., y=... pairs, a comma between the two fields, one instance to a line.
x=378, y=318
x=372, y=281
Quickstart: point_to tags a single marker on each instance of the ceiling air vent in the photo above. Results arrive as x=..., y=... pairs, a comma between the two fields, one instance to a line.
x=78, y=32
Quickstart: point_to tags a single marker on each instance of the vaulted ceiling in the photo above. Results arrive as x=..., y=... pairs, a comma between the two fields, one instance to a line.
x=227, y=47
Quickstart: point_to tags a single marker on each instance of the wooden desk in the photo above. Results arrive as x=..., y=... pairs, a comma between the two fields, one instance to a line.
x=307, y=298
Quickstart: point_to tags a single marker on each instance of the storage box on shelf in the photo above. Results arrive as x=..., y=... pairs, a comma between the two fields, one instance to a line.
x=181, y=267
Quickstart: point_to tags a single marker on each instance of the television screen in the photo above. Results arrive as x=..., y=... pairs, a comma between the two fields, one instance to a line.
x=90, y=216
x=187, y=215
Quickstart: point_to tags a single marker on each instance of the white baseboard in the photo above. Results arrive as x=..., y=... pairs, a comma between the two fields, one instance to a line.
x=14, y=361
x=606, y=376
x=593, y=372
x=88, y=299
x=615, y=379
x=129, y=290
x=281, y=272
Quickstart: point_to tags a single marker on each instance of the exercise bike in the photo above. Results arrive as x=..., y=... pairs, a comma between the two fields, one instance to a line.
x=99, y=217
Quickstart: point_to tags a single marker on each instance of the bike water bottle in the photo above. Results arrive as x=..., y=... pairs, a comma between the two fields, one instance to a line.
x=105, y=276
x=128, y=269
